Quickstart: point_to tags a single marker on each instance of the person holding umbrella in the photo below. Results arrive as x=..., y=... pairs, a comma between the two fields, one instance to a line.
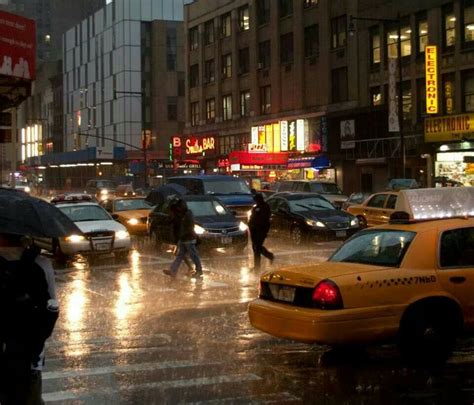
x=259, y=225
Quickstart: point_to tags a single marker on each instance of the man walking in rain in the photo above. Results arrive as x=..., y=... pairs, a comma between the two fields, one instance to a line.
x=28, y=313
x=175, y=218
x=259, y=225
x=186, y=241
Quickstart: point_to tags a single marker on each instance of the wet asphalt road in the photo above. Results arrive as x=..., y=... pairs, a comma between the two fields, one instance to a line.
x=128, y=334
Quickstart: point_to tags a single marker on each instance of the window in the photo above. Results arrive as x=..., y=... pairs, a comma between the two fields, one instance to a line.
x=376, y=96
x=468, y=86
x=392, y=42
x=193, y=38
x=245, y=103
x=311, y=41
x=310, y=3
x=377, y=201
x=457, y=248
x=286, y=8
x=448, y=93
x=227, y=107
x=194, y=113
x=226, y=66
x=339, y=85
x=226, y=25
x=338, y=32
x=392, y=200
x=264, y=54
x=209, y=32
x=406, y=100
x=210, y=110
x=265, y=100
x=209, y=71
x=374, y=46
x=194, y=75
x=422, y=31
x=244, y=18
x=171, y=49
x=468, y=16
x=286, y=48
x=449, y=28
x=244, y=61
x=263, y=11
x=172, y=108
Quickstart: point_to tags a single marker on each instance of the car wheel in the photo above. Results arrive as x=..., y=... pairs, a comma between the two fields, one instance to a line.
x=428, y=334
x=122, y=256
x=297, y=235
x=362, y=222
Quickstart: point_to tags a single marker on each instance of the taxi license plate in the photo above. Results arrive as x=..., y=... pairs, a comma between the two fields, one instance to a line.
x=102, y=246
x=341, y=234
x=226, y=240
x=283, y=292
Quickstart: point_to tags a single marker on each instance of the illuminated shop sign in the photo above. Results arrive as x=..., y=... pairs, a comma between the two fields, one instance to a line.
x=200, y=145
x=448, y=128
x=282, y=136
x=431, y=73
x=257, y=147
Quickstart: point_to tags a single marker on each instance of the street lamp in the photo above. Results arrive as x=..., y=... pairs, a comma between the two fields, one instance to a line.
x=351, y=30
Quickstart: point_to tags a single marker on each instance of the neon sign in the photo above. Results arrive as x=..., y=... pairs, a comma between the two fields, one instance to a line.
x=200, y=145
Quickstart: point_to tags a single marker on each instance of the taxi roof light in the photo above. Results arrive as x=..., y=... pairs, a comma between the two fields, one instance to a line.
x=326, y=295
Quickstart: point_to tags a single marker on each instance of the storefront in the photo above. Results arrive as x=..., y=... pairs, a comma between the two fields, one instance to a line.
x=311, y=168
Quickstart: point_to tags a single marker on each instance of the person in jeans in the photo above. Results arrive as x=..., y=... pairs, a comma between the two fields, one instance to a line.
x=186, y=241
x=259, y=225
x=175, y=219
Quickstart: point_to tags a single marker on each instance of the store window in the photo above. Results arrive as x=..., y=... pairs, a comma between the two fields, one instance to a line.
x=286, y=8
x=244, y=61
x=194, y=75
x=244, y=18
x=209, y=32
x=311, y=41
x=226, y=25
x=227, y=107
x=448, y=93
x=226, y=66
x=195, y=113
x=263, y=11
x=264, y=54
x=422, y=32
x=376, y=96
x=193, y=38
x=468, y=88
x=309, y=3
x=339, y=85
x=210, y=110
x=449, y=27
x=209, y=71
x=374, y=46
x=265, y=100
x=338, y=31
x=392, y=42
x=468, y=16
x=245, y=103
x=286, y=48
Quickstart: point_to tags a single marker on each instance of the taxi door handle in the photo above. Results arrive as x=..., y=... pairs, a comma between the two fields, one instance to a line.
x=457, y=280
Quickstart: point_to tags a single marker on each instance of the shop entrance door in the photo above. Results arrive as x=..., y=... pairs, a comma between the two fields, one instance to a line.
x=366, y=182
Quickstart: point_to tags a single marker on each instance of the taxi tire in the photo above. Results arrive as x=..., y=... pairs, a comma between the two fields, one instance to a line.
x=296, y=235
x=428, y=334
x=362, y=222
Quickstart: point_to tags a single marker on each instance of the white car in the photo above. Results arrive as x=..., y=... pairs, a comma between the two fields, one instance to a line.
x=101, y=233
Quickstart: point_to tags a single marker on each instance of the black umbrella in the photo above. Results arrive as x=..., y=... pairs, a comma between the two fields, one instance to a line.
x=158, y=195
x=21, y=214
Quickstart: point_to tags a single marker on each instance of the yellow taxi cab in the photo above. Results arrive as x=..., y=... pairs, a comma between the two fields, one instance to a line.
x=132, y=212
x=376, y=209
x=411, y=281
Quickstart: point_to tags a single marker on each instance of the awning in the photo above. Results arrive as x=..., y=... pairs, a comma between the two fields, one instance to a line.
x=258, y=159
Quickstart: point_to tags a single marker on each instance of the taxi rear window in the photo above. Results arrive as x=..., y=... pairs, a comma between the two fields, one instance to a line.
x=378, y=248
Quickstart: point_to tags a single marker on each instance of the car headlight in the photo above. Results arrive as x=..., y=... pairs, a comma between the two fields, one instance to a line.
x=355, y=222
x=104, y=192
x=74, y=238
x=318, y=224
x=133, y=221
x=243, y=227
x=27, y=189
x=199, y=230
x=122, y=235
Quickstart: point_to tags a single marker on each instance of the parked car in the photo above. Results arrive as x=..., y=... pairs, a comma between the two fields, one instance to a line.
x=376, y=209
x=232, y=191
x=131, y=212
x=100, y=233
x=309, y=216
x=330, y=191
x=216, y=226
x=102, y=189
x=354, y=199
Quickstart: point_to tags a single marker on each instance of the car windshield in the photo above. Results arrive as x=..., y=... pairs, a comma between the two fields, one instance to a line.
x=325, y=188
x=310, y=204
x=377, y=248
x=129, y=205
x=206, y=208
x=226, y=187
x=79, y=213
x=106, y=184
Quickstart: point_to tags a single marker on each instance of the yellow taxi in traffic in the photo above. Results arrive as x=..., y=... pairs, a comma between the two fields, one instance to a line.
x=411, y=280
x=132, y=212
x=376, y=209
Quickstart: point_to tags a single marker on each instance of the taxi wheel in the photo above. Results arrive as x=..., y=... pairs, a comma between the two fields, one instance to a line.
x=362, y=222
x=427, y=334
x=297, y=235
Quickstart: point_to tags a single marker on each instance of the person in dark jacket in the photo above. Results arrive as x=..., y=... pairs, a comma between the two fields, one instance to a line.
x=28, y=313
x=259, y=225
x=186, y=241
x=175, y=218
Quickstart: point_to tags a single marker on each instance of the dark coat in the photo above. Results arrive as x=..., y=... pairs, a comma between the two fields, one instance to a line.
x=259, y=222
x=186, y=230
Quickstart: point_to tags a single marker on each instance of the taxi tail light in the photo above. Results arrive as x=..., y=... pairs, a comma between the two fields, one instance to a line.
x=326, y=295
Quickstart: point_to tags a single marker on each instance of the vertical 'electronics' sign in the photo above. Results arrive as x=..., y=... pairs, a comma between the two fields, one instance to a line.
x=431, y=73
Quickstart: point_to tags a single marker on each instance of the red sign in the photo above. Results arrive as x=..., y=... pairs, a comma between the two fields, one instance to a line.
x=17, y=46
x=204, y=145
x=248, y=158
